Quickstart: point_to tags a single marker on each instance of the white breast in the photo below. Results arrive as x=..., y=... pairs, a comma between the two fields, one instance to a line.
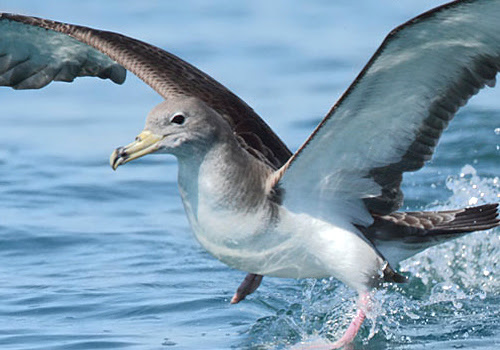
x=293, y=246
x=267, y=239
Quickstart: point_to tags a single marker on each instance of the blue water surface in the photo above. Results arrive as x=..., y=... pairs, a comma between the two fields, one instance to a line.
x=96, y=259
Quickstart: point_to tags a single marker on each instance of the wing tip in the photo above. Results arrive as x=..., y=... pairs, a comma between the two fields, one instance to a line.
x=106, y=68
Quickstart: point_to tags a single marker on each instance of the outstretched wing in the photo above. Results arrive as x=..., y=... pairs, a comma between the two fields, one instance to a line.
x=35, y=51
x=31, y=58
x=390, y=119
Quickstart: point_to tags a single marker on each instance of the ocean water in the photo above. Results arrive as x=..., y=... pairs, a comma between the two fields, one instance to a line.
x=96, y=259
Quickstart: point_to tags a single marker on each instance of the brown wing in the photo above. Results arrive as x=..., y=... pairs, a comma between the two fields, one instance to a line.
x=403, y=234
x=168, y=75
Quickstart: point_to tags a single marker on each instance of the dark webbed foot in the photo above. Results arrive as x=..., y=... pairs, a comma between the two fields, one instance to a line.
x=248, y=286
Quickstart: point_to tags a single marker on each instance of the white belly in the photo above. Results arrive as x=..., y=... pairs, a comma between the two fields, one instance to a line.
x=292, y=246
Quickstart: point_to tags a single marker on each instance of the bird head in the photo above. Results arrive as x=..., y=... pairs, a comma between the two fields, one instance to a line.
x=180, y=125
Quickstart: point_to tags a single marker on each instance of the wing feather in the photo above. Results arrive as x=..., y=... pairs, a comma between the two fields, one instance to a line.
x=390, y=119
x=60, y=51
x=32, y=57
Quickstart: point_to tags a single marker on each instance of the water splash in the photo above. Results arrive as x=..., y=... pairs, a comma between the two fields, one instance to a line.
x=452, y=282
x=470, y=188
x=471, y=261
x=453, y=291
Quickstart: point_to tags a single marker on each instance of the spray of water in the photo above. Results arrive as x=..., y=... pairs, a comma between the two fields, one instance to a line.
x=453, y=291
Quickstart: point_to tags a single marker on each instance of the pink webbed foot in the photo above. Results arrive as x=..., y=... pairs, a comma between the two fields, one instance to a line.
x=248, y=286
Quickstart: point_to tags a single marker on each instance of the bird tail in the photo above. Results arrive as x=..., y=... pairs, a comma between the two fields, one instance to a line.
x=399, y=235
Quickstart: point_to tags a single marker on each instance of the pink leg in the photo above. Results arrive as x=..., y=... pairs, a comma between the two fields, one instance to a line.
x=350, y=334
x=352, y=330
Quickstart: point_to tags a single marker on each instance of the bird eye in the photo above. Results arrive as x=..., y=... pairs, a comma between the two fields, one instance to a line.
x=178, y=119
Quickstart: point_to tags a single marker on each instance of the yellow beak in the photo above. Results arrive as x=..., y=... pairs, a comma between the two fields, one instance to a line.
x=145, y=143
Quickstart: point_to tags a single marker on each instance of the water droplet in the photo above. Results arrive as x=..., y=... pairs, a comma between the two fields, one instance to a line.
x=497, y=131
x=468, y=170
x=412, y=315
x=472, y=201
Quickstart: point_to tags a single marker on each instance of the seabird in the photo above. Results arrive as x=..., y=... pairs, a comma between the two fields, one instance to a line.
x=329, y=209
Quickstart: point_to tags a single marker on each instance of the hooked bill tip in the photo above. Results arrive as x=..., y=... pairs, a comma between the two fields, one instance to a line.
x=117, y=158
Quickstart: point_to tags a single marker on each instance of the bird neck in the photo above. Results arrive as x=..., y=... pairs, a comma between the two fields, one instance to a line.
x=223, y=177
